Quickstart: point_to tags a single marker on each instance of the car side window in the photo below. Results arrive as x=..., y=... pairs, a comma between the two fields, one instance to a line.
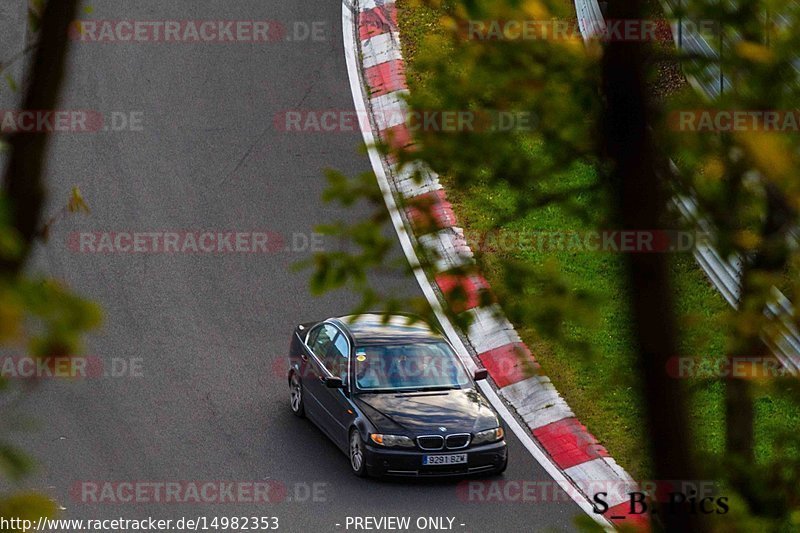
x=323, y=341
x=336, y=361
x=312, y=336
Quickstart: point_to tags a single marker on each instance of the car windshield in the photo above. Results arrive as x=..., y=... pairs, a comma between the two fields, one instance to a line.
x=420, y=366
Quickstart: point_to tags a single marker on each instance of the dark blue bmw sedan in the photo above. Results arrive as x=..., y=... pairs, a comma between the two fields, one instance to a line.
x=395, y=397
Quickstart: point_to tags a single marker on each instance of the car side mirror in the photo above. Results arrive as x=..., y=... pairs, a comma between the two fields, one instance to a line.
x=480, y=374
x=334, y=382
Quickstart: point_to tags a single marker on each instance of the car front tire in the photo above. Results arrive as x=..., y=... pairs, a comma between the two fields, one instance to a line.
x=296, y=396
x=357, y=454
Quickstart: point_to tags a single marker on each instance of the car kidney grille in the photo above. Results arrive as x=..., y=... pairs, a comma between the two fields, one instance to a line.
x=459, y=440
x=431, y=442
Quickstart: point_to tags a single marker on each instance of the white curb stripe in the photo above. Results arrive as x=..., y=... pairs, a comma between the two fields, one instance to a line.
x=597, y=475
x=537, y=401
x=372, y=4
x=523, y=434
x=406, y=183
x=489, y=329
x=382, y=48
x=389, y=109
x=447, y=248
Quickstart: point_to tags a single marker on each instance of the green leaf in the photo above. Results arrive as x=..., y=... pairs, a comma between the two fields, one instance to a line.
x=13, y=463
x=11, y=82
x=27, y=506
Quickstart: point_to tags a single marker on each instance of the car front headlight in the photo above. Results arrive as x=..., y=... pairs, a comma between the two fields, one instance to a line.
x=490, y=435
x=391, y=441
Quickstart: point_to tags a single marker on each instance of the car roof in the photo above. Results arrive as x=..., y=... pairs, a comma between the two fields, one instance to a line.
x=373, y=328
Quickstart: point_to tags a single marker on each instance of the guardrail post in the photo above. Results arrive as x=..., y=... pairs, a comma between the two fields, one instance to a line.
x=721, y=44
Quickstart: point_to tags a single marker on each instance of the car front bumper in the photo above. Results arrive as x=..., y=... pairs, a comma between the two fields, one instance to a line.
x=402, y=462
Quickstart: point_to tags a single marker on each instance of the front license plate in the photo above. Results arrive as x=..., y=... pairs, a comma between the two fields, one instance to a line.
x=452, y=459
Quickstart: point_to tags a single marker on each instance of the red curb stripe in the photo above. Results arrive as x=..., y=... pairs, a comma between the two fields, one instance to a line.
x=376, y=21
x=463, y=292
x=398, y=138
x=639, y=522
x=386, y=78
x=510, y=363
x=429, y=212
x=568, y=442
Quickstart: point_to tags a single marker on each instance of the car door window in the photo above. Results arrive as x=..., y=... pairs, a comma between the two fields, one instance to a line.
x=312, y=336
x=323, y=341
x=336, y=360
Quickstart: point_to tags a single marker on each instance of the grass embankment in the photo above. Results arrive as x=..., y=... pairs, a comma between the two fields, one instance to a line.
x=601, y=389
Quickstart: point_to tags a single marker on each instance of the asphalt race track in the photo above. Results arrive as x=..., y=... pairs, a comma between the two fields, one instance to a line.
x=211, y=403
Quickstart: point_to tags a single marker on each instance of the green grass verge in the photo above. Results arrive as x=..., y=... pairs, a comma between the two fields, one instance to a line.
x=601, y=389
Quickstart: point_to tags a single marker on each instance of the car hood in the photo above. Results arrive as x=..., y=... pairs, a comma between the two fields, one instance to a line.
x=416, y=413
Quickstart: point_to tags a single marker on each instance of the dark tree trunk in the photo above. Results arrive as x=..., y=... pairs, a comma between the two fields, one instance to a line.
x=640, y=205
x=22, y=184
x=771, y=258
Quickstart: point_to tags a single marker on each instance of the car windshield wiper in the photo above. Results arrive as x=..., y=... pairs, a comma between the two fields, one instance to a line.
x=431, y=388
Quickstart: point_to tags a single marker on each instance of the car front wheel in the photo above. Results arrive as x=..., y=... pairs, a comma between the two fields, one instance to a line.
x=358, y=459
x=296, y=396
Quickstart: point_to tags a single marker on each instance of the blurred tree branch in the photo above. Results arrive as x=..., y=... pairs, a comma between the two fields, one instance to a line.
x=39, y=314
x=641, y=203
x=22, y=184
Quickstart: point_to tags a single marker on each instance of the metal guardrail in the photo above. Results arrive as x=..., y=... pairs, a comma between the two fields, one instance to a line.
x=725, y=273
x=710, y=80
x=590, y=19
